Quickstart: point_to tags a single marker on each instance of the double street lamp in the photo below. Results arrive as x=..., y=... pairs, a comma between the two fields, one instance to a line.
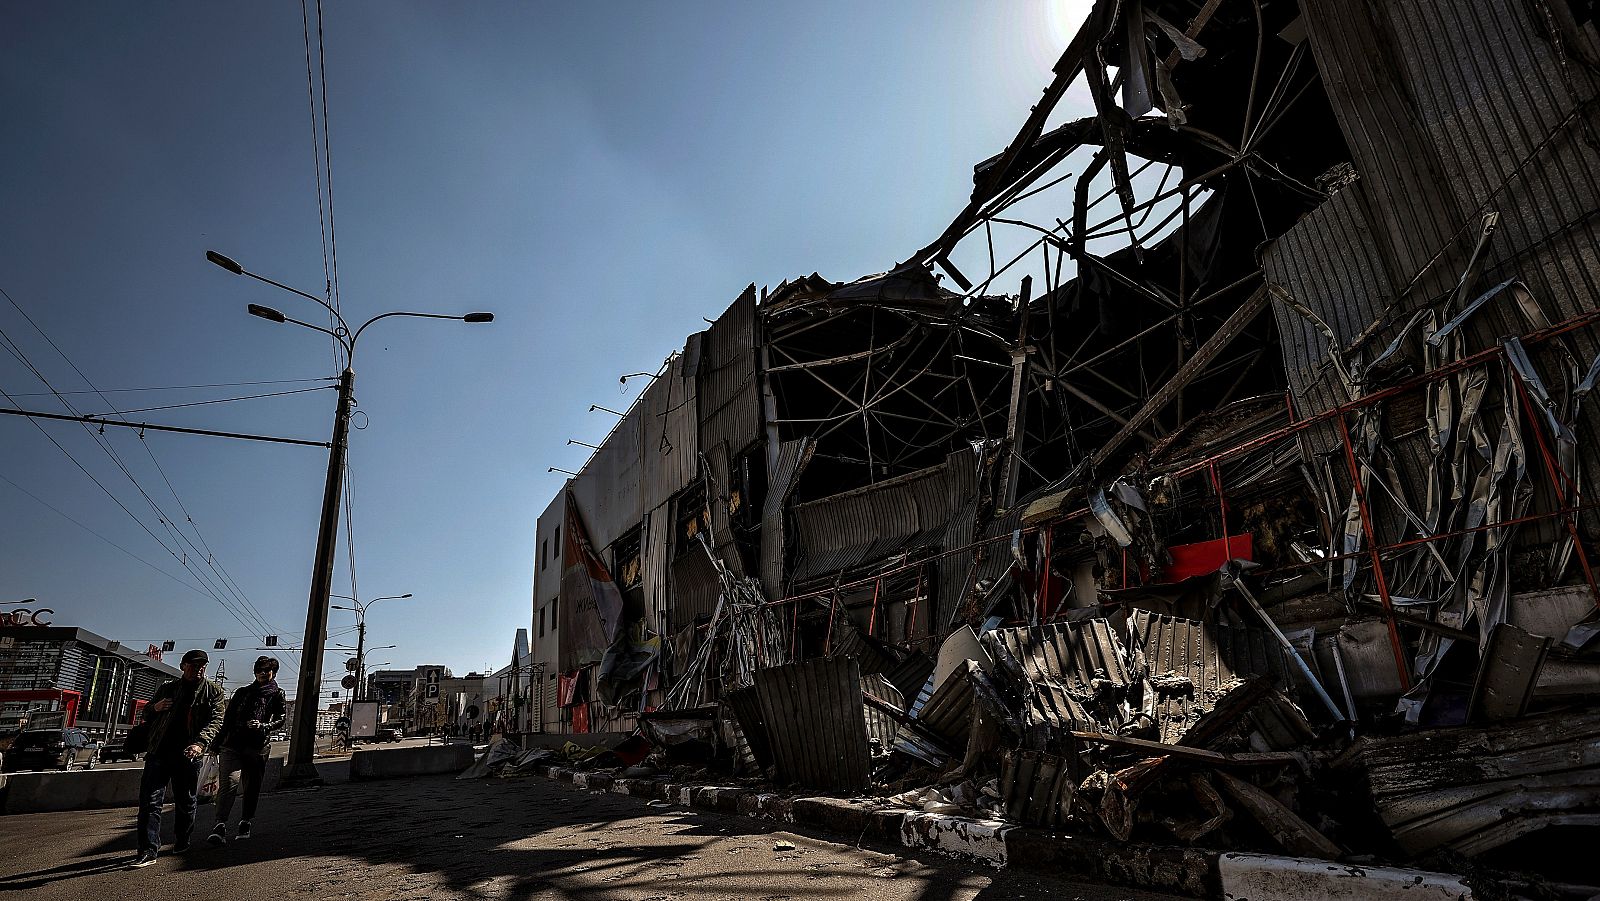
x=360, y=610
x=303, y=736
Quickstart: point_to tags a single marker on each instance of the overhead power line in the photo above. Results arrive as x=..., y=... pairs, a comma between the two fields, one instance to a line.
x=69, y=518
x=240, y=600
x=320, y=378
x=142, y=426
x=221, y=400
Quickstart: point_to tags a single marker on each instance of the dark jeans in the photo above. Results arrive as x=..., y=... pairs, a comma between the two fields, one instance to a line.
x=184, y=776
x=239, y=770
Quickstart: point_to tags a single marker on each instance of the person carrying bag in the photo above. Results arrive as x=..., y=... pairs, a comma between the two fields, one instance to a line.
x=183, y=718
x=256, y=711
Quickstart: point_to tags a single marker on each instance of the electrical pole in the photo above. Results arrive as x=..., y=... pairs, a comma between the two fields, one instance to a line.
x=361, y=658
x=303, y=738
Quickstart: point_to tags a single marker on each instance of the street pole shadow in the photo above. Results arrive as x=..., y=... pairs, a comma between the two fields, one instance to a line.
x=34, y=879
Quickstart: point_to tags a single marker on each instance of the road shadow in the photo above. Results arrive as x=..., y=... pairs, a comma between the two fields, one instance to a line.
x=513, y=839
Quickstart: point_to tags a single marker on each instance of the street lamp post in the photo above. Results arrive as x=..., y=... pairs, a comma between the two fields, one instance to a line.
x=360, y=611
x=302, y=739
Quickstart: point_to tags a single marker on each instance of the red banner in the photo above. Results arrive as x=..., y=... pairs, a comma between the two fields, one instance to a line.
x=591, y=603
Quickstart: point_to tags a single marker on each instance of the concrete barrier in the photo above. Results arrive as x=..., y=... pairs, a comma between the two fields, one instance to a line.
x=38, y=792
x=389, y=763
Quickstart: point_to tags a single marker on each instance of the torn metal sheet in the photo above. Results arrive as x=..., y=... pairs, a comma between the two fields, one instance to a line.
x=948, y=711
x=1190, y=666
x=1508, y=672
x=1470, y=789
x=814, y=722
x=881, y=728
x=1036, y=788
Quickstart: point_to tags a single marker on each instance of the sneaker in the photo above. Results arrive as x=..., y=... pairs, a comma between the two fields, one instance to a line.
x=219, y=834
x=145, y=859
x=244, y=830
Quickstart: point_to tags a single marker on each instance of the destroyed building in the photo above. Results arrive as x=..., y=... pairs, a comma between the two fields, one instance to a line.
x=1252, y=518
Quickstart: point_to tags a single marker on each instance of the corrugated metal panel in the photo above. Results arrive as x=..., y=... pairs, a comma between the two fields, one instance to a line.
x=962, y=571
x=813, y=715
x=1328, y=262
x=1076, y=652
x=656, y=548
x=1402, y=185
x=1064, y=670
x=867, y=524
x=1211, y=658
x=746, y=706
x=1491, y=92
x=1451, y=108
x=847, y=641
x=1037, y=787
x=695, y=586
x=792, y=459
x=948, y=711
x=729, y=396
x=669, y=443
x=1052, y=706
x=607, y=488
x=911, y=674
x=880, y=725
x=720, y=491
x=955, y=570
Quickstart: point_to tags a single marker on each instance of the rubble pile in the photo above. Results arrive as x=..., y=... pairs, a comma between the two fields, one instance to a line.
x=1256, y=518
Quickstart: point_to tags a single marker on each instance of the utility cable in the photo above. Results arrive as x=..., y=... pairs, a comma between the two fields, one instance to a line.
x=69, y=518
x=240, y=599
x=320, y=378
x=132, y=515
x=218, y=400
x=316, y=159
x=116, y=458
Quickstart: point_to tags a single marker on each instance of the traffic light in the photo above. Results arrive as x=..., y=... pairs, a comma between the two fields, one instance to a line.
x=221, y=644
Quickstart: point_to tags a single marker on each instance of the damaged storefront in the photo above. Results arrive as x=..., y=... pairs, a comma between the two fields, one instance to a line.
x=1255, y=518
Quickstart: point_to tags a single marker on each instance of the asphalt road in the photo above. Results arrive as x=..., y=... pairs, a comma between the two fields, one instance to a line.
x=435, y=837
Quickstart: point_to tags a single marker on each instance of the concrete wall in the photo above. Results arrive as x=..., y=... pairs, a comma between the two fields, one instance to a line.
x=38, y=792
x=389, y=763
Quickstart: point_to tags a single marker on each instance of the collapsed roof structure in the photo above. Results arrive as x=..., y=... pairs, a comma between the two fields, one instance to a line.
x=1270, y=479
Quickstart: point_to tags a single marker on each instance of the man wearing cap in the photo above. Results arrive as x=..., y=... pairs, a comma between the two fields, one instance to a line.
x=184, y=717
x=254, y=713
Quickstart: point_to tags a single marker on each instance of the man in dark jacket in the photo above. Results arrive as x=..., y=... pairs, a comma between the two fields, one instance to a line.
x=183, y=718
x=254, y=713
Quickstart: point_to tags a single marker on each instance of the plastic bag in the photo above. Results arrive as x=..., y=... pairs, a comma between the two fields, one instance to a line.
x=210, y=772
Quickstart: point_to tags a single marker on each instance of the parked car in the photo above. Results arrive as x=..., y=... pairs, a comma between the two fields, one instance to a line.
x=48, y=749
x=278, y=736
x=113, y=751
x=388, y=733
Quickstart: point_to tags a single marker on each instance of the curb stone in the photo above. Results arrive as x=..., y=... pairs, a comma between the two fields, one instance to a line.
x=1262, y=877
x=1195, y=872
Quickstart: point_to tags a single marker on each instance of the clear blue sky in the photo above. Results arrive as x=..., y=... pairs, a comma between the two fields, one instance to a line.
x=601, y=176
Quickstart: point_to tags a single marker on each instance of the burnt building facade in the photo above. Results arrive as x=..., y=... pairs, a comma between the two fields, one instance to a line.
x=1267, y=431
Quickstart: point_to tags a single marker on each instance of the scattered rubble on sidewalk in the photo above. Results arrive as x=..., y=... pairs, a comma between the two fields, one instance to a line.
x=1261, y=526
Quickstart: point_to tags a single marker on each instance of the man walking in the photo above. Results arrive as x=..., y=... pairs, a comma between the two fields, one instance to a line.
x=183, y=718
x=255, y=712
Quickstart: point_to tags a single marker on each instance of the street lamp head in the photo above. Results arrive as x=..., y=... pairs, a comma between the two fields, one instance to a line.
x=224, y=262
x=266, y=313
x=406, y=595
x=478, y=317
